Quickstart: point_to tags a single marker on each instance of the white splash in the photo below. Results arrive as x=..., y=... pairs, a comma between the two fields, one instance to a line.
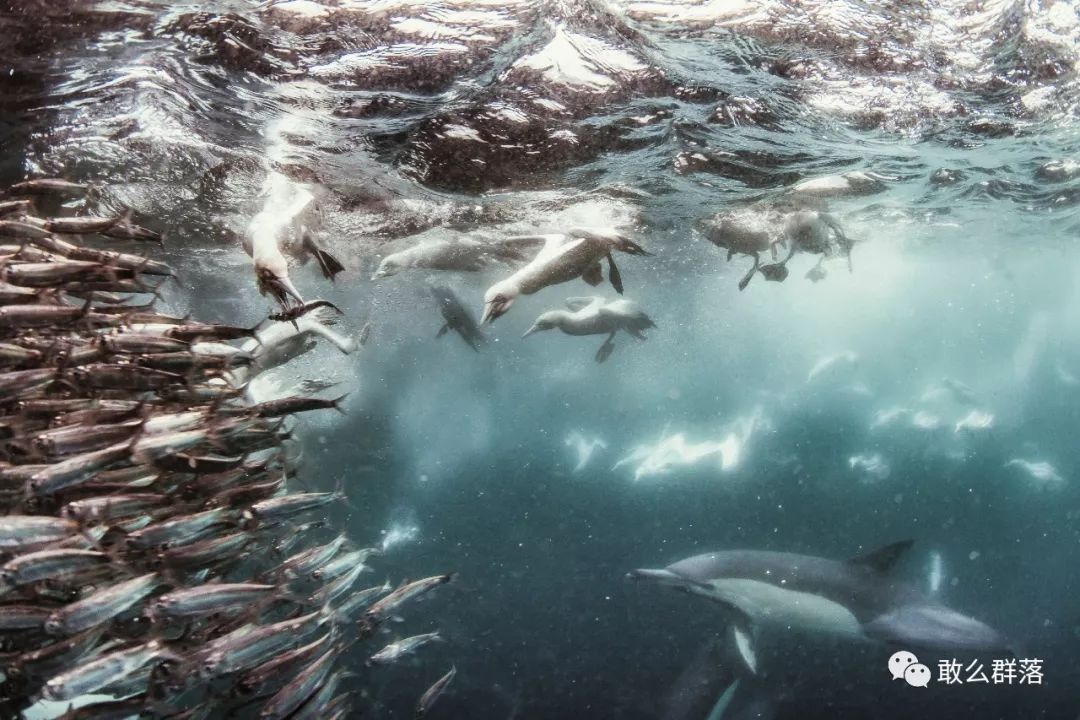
x=399, y=534
x=583, y=448
x=673, y=452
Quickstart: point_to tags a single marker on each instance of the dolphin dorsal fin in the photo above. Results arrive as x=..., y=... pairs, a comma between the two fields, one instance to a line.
x=883, y=559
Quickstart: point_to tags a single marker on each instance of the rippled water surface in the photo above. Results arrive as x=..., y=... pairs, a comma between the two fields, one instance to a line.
x=940, y=136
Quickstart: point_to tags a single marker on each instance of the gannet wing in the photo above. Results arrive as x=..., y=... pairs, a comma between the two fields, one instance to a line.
x=579, y=303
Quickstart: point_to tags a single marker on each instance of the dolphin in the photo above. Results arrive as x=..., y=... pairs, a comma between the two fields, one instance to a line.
x=859, y=598
x=786, y=610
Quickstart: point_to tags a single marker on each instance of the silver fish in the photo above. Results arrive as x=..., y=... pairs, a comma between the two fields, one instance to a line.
x=104, y=670
x=406, y=592
x=302, y=687
x=406, y=646
x=177, y=531
x=433, y=693
x=101, y=606
x=20, y=531
x=49, y=564
x=209, y=599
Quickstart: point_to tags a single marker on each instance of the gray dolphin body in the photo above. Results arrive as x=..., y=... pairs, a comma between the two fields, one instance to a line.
x=457, y=318
x=860, y=597
x=782, y=604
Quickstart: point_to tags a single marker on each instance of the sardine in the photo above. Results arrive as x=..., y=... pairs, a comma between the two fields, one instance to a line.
x=209, y=599
x=433, y=693
x=280, y=509
x=406, y=646
x=15, y=207
x=47, y=186
x=108, y=508
x=179, y=531
x=249, y=646
x=80, y=225
x=20, y=531
x=123, y=377
x=101, y=606
x=290, y=405
x=305, y=562
x=302, y=687
x=276, y=668
x=77, y=470
x=104, y=670
x=22, y=617
x=406, y=592
x=49, y=564
x=205, y=552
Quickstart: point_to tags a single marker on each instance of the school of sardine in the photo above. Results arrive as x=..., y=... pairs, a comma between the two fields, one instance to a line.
x=155, y=558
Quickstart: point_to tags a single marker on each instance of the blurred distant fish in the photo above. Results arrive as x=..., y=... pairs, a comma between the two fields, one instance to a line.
x=833, y=364
x=872, y=466
x=1065, y=375
x=950, y=389
x=457, y=318
x=884, y=418
x=1041, y=472
x=583, y=448
x=975, y=420
x=923, y=420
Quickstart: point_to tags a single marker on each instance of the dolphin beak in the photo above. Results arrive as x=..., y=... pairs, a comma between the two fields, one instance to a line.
x=664, y=577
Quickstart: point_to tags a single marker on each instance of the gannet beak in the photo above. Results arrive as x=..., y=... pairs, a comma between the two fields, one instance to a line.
x=282, y=289
x=534, y=329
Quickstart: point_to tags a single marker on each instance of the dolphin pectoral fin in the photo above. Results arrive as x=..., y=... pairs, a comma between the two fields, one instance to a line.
x=883, y=559
x=742, y=636
x=614, y=275
x=730, y=254
x=594, y=275
x=723, y=702
x=744, y=699
x=443, y=330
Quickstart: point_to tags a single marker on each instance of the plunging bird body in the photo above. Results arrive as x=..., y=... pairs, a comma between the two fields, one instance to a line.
x=564, y=257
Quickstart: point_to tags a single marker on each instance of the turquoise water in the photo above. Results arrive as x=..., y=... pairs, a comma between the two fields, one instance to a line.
x=412, y=122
